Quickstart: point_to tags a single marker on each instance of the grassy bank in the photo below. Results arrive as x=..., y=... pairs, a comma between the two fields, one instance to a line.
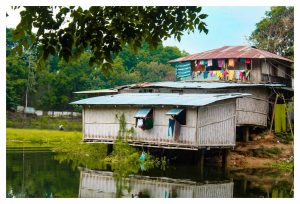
x=33, y=137
x=17, y=120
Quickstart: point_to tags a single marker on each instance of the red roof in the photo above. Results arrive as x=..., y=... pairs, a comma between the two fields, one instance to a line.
x=231, y=52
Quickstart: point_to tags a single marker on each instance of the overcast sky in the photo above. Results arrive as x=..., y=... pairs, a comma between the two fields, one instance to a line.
x=228, y=25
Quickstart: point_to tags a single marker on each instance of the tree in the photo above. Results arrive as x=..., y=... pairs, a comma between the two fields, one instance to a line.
x=102, y=30
x=275, y=32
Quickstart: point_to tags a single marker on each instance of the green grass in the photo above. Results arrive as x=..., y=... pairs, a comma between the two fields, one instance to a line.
x=284, y=165
x=43, y=122
x=266, y=152
x=32, y=137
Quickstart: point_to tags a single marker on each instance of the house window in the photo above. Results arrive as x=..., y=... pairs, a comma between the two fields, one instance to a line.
x=144, y=118
x=178, y=114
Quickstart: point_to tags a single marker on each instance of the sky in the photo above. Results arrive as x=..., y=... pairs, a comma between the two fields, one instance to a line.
x=227, y=25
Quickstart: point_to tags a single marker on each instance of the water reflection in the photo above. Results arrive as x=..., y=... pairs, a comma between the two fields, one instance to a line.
x=42, y=173
x=102, y=184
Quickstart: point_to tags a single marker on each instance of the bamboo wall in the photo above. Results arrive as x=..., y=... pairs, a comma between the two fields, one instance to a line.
x=100, y=184
x=216, y=124
x=251, y=110
x=101, y=124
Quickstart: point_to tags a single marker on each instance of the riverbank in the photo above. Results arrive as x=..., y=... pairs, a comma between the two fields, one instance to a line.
x=263, y=152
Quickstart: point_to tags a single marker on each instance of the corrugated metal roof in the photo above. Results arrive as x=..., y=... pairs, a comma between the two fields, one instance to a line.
x=142, y=113
x=231, y=52
x=202, y=85
x=174, y=111
x=97, y=91
x=141, y=99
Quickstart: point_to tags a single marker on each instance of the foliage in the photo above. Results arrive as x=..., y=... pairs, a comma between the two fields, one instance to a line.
x=286, y=165
x=275, y=32
x=56, y=83
x=266, y=152
x=103, y=30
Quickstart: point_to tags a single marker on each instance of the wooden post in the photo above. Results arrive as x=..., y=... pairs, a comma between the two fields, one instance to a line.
x=271, y=125
x=225, y=157
x=246, y=133
x=109, y=149
x=200, y=161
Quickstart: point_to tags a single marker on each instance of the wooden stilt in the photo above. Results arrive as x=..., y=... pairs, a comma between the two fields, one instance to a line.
x=246, y=133
x=225, y=157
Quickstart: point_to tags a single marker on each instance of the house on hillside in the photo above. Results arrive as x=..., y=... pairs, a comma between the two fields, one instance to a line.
x=235, y=63
x=217, y=91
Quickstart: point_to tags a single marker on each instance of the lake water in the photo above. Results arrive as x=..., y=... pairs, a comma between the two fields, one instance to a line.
x=37, y=172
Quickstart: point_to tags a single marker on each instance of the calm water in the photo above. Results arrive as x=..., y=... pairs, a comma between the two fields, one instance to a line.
x=36, y=172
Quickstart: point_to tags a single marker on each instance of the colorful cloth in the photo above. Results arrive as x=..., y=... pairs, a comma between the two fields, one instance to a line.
x=202, y=62
x=211, y=73
x=219, y=74
x=221, y=62
x=242, y=59
x=224, y=72
x=230, y=75
x=209, y=62
x=248, y=61
x=205, y=75
x=171, y=126
x=231, y=62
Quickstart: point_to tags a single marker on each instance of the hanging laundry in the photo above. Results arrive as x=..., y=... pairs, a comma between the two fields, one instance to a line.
x=205, y=75
x=247, y=75
x=219, y=74
x=231, y=62
x=248, y=61
x=205, y=63
x=231, y=75
x=202, y=62
x=215, y=73
x=224, y=72
x=140, y=123
x=171, y=126
x=177, y=130
x=209, y=62
x=202, y=68
x=221, y=62
x=211, y=73
x=242, y=59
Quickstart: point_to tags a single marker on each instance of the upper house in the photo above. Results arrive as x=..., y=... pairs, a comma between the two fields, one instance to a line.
x=235, y=63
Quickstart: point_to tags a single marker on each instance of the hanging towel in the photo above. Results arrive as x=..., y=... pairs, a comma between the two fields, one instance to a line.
x=230, y=75
x=202, y=62
x=171, y=126
x=205, y=62
x=140, y=123
x=219, y=74
x=205, y=75
x=224, y=72
x=247, y=74
x=209, y=62
x=231, y=62
x=211, y=73
x=215, y=73
x=177, y=130
x=221, y=62
x=248, y=61
x=242, y=59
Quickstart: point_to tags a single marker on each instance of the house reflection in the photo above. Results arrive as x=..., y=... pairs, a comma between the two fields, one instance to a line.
x=103, y=184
